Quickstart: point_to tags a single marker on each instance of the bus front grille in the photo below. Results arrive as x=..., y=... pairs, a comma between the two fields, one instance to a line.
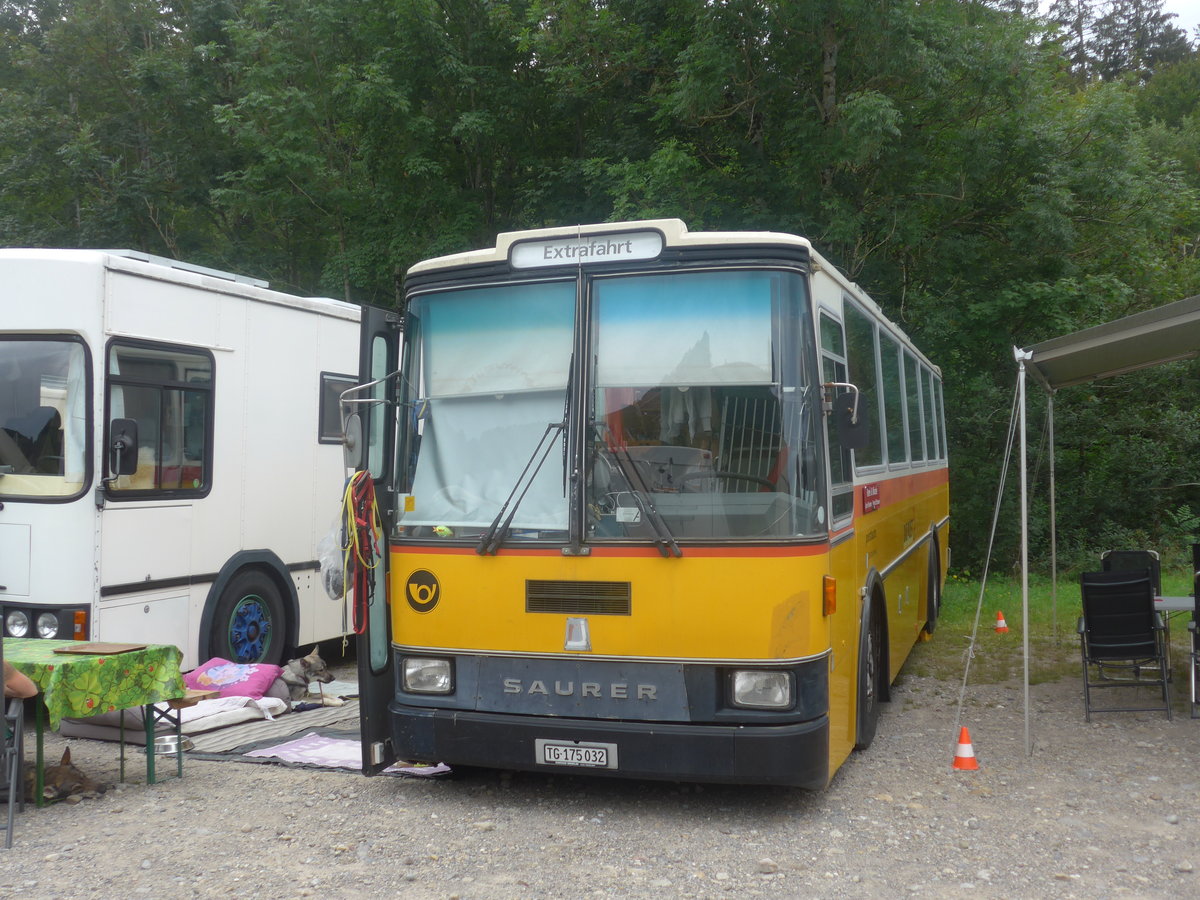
x=579, y=598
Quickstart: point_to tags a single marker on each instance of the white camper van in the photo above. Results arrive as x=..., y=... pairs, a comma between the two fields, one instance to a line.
x=170, y=454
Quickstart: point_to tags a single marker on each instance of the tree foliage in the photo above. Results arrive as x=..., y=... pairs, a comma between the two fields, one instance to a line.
x=990, y=176
x=1119, y=39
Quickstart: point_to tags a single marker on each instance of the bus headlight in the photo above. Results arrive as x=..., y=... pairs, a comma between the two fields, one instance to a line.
x=16, y=623
x=426, y=675
x=758, y=689
x=47, y=625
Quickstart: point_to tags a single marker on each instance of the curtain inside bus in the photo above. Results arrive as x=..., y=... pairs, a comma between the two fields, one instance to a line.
x=493, y=373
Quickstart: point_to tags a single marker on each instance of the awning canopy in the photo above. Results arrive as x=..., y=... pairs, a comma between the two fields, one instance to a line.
x=1144, y=339
x=1135, y=342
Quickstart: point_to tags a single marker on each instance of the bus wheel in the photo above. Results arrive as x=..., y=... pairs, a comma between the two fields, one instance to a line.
x=248, y=623
x=933, y=593
x=870, y=667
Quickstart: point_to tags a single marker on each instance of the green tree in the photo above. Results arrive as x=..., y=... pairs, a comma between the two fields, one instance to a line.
x=108, y=137
x=991, y=182
x=1137, y=37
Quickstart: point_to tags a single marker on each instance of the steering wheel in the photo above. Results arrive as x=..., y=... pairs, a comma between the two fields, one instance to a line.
x=736, y=476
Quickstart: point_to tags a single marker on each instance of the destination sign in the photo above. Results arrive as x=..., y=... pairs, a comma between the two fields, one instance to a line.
x=585, y=249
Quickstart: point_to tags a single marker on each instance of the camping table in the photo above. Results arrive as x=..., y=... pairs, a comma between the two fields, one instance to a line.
x=86, y=684
x=1173, y=606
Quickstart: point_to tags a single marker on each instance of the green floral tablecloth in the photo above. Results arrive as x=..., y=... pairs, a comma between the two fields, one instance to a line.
x=79, y=685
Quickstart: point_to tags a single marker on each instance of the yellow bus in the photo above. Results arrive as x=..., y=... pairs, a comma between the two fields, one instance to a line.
x=657, y=504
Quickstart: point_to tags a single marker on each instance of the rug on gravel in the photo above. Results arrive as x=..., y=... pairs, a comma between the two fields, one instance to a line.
x=327, y=752
x=228, y=740
x=332, y=742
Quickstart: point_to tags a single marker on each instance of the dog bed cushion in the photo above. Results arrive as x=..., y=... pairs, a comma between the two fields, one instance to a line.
x=232, y=679
x=207, y=715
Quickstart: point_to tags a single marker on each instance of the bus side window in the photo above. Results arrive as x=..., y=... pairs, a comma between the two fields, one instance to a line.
x=931, y=417
x=912, y=398
x=168, y=392
x=863, y=371
x=833, y=369
x=893, y=400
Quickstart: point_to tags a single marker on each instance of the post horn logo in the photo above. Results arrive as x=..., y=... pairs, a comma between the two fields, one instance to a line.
x=423, y=590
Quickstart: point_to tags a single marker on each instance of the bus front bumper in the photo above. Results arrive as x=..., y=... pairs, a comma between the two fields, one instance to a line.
x=795, y=755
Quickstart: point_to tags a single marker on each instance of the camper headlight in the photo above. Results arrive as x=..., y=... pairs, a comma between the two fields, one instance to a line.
x=16, y=623
x=759, y=689
x=427, y=675
x=47, y=625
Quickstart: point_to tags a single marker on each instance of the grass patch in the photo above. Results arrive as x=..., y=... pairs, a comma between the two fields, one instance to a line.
x=1053, y=643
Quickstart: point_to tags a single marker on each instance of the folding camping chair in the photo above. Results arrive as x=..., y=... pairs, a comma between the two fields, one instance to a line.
x=12, y=788
x=1122, y=636
x=1134, y=561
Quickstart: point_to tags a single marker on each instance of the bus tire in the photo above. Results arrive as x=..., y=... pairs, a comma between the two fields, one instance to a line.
x=870, y=676
x=249, y=623
x=933, y=590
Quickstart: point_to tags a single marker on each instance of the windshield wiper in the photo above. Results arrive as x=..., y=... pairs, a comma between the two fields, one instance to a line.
x=497, y=532
x=666, y=543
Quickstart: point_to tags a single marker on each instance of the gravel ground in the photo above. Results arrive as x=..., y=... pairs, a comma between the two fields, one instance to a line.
x=1106, y=809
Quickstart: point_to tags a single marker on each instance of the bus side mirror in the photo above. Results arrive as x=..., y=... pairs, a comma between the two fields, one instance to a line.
x=352, y=443
x=853, y=431
x=123, y=446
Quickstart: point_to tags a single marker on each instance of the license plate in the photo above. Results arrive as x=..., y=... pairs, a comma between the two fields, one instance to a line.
x=576, y=753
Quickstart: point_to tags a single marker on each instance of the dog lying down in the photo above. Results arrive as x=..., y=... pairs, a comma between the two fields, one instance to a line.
x=63, y=781
x=300, y=674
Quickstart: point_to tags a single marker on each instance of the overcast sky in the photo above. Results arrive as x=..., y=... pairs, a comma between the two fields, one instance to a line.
x=1188, y=12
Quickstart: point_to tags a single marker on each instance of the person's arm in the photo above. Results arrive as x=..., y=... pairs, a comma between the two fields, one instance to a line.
x=16, y=684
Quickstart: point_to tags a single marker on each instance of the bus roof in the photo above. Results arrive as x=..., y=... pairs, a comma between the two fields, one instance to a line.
x=161, y=268
x=675, y=234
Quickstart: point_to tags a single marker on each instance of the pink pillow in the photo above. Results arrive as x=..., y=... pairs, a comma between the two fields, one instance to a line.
x=232, y=679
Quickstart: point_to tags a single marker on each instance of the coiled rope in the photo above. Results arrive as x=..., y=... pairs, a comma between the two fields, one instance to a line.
x=361, y=545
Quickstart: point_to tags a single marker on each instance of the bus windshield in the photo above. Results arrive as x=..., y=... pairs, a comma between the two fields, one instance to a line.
x=704, y=407
x=699, y=419
x=487, y=371
x=43, y=417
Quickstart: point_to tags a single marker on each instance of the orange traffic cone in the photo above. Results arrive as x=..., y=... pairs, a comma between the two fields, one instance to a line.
x=1001, y=625
x=964, y=756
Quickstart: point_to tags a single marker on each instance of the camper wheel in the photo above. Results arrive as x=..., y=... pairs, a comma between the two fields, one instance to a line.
x=248, y=624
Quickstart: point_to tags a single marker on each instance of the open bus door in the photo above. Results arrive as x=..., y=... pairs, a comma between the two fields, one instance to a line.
x=370, y=445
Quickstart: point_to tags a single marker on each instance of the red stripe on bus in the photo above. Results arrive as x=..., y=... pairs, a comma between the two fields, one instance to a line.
x=897, y=489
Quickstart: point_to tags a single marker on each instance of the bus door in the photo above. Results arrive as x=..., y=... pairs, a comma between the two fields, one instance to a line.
x=157, y=434
x=373, y=405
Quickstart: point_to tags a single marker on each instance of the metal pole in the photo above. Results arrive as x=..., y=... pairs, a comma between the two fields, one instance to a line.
x=1053, y=523
x=1022, y=356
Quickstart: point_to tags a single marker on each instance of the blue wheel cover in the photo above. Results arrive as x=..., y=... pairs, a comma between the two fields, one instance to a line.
x=250, y=629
